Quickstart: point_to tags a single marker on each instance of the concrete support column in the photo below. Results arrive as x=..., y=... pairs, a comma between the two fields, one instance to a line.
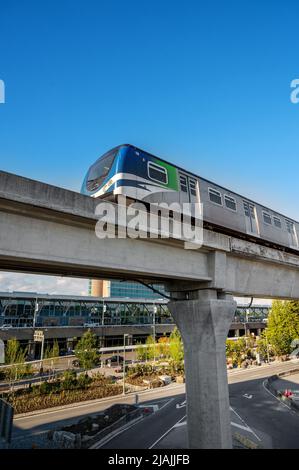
x=204, y=321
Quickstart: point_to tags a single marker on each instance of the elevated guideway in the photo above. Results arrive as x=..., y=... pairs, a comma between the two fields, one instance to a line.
x=50, y=230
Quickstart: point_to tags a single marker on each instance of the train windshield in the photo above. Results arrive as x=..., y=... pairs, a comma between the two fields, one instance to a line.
x=100, y=170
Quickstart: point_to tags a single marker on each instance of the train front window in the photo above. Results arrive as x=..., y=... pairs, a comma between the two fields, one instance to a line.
x=99, y=171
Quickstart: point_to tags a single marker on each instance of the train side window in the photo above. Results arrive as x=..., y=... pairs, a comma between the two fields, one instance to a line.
x=230, y=202
x=267, y=218
x=249, y=210
x=183, y=183
x=215, y=196
x=192, y=186
x=157, y=173
x=277, y=222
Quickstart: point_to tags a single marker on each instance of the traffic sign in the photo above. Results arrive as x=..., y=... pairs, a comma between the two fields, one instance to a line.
x=38, y=335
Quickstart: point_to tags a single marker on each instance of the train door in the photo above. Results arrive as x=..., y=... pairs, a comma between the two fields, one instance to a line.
x=184, y=188
x=292, y=233
x=187, y=188
x=250, y=218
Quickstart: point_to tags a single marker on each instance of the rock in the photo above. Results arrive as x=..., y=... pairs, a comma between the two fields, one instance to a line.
x=66, y=440
x=180, y=379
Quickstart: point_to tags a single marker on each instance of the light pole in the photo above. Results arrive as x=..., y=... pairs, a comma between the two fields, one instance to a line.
x=103, y=313
x=35, y=312
x=245, y=322
x=124, y=364
x=267, y=347
x=154, y=329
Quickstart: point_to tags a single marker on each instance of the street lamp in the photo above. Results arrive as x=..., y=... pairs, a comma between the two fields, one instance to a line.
x=35, y=312
x=245, y=322
x=267, y=347
x=103, y=313
x=124, y=364
x=154, y=329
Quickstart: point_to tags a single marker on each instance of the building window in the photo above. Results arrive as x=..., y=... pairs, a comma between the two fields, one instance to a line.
x=277, y=222
x=215, y=196
x=230, y=202
x=267, y=218
x=157, y=173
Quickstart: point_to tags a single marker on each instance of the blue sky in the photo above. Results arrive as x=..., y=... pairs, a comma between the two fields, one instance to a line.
x=202, y=84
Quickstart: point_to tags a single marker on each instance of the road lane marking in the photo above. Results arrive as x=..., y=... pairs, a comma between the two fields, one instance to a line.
x=245, y=428
x=242, y=420
x=168, y=431
x=177, y=425
x=181, y=405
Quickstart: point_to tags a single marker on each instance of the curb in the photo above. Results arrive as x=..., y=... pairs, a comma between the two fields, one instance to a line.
x=115, y=433
x=248, y=443
x=286, y=401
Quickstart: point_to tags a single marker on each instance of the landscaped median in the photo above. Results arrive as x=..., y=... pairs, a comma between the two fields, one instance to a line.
x=70, y=388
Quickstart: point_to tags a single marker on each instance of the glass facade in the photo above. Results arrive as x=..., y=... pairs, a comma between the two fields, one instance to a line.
x=133, y=290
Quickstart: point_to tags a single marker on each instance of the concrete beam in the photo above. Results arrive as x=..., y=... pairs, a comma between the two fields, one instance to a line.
x=50, y=230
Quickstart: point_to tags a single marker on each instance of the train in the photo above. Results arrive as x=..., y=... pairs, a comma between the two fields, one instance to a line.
x=140, y=176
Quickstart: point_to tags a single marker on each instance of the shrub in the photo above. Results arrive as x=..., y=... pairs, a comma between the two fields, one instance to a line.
x=83, y=381
x=69, y=381
x=45, y=388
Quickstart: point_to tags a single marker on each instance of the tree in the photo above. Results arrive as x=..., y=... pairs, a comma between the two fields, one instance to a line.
x=150, y=348
x=14, y=354
x=55, y=349
x=176, y=349
x=163, y=346
x=263, y=346
x=141, y=352
x=283, y=326
x=52, y=352
x=236, y=349
x=86, y=350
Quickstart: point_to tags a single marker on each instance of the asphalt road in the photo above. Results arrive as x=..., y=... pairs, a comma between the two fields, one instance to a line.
x=271, y=423
x=24, y=427
x=274, y=424
x=145, y=433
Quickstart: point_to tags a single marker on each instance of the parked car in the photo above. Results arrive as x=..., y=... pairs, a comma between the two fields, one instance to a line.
x=6, y=326
x=90, y=325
